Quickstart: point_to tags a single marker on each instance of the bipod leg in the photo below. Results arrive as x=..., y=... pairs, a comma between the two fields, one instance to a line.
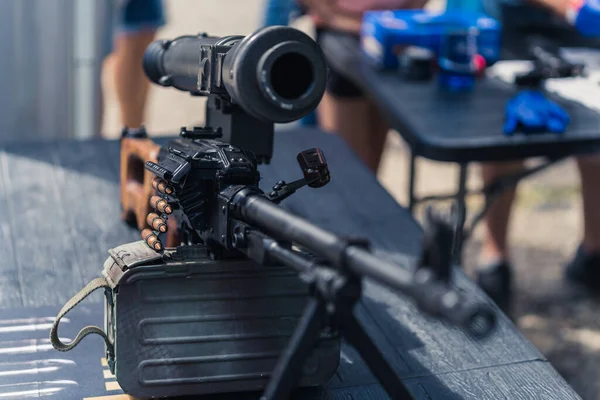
x=289, y=366
x=360, y=340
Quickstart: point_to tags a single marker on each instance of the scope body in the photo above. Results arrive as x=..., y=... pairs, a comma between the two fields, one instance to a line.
x=276, y=74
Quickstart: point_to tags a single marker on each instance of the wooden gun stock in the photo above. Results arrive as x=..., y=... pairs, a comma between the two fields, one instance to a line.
x=136, y=185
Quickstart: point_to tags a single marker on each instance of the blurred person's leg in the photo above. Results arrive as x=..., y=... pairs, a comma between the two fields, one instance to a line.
x=496, y=220
x=277, y=12
x=138, y=21
x=494, y=271
x=345, y=110
x=358, y=121
x=380, y=129
x=107, y=43
x=589, y=168
x=585, y=266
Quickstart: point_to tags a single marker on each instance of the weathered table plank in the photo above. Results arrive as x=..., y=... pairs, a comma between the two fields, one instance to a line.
x=95, y=228
x=10, y=287
x=60, y=213
x=41, y=229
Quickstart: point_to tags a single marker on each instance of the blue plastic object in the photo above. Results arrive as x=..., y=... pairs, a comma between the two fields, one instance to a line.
x=531, y=112
x=464, y=5
x=455, y=83
x=383, y=32
x=278, y=12
x=456, y=60
x=587, y=20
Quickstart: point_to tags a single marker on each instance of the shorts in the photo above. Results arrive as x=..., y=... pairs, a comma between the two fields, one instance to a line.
x=132, y=16
x=337, y=84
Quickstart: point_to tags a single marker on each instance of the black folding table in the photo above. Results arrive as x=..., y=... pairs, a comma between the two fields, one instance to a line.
x=459, y=127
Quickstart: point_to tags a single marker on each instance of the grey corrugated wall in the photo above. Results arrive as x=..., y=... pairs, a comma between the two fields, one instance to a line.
x=50, y=59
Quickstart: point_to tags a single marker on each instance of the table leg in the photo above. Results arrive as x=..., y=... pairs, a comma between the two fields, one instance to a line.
x=461, y=213
x=411, y=182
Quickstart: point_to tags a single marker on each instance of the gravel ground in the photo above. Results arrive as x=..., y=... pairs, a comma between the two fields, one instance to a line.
x=545, y=228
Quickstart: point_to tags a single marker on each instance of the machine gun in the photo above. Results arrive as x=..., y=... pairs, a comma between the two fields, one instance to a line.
x=231, y=230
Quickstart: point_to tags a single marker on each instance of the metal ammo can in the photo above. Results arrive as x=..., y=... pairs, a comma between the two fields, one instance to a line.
x=183, y=324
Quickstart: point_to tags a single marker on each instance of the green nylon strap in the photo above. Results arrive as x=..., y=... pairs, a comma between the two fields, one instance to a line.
x=78, y=298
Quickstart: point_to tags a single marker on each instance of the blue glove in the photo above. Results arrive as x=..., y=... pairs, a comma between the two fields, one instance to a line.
x=585, y=17
x=531, y=111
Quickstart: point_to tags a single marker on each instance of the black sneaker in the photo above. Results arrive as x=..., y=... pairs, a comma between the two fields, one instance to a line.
x=584, y=269
x=496, y=280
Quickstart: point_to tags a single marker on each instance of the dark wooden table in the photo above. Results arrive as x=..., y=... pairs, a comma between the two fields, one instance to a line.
x=59, y=214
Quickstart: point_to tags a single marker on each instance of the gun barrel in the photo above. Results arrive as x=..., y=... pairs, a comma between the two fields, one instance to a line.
x=433, y=297
x=274, y=220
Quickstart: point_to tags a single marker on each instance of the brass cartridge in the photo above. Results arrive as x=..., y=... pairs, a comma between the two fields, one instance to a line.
x=160, y=205
x=156, y=222
x=161, y=186
x=152, y=240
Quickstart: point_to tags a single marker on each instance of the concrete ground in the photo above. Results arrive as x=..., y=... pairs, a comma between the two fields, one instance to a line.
x=545, y=228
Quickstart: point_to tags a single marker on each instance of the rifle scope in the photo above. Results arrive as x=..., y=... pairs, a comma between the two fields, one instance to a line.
x=276, y=74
